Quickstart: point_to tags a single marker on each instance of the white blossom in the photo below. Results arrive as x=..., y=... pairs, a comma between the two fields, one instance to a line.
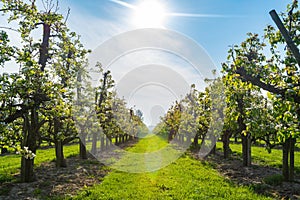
x=28, y=154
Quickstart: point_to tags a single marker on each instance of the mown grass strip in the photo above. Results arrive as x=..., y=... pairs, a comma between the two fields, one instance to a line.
x=186, y=178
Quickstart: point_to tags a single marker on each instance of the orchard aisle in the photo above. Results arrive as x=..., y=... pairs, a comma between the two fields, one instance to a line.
x=186, y=178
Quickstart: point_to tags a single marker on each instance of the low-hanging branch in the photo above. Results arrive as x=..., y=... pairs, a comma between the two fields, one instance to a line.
x=275, y=90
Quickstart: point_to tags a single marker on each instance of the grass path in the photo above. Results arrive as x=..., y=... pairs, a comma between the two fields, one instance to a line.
x=186, y=178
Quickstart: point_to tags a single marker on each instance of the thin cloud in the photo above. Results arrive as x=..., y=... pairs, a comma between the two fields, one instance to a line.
x=173, y=14
x=122, y=3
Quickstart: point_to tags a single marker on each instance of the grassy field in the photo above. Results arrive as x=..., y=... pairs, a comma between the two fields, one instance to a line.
x=260, y=155
x=11, y=164
x=186, y=178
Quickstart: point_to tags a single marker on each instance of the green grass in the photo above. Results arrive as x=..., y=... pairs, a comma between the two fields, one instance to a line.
x=261, y=156
x=11, y=164
x=186, y=178
x=151, y=143
x=274, y=180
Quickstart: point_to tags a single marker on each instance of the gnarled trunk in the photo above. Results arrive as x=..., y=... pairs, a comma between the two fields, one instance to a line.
x=59, y=152
x=27, y=174
x=30, y=132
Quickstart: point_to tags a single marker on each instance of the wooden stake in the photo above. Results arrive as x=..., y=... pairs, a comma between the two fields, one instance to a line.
x=286, y=35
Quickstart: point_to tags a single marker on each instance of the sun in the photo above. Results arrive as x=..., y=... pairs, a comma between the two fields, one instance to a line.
x=149, y=14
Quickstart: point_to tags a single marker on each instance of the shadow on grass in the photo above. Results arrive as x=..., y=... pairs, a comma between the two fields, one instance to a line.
x=260, y=177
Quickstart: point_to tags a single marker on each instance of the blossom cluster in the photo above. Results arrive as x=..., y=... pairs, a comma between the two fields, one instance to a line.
x=28, y=154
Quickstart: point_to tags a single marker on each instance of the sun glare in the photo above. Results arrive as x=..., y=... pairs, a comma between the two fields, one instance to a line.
x=149, y=14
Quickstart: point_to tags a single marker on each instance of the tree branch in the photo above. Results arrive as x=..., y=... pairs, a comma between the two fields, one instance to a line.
x=256, y=81
x=13, y=117
x=11, y=9
x=8, y=28
x=67, y=17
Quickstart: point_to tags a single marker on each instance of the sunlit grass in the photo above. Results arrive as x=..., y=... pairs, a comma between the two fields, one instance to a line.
x=148, y=144
x=10, y=164
x=149, y=154
x=262, y=156
x=186, y=178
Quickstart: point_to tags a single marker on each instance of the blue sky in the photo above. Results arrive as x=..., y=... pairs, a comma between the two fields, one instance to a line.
x=213, y=24
x=215, y=34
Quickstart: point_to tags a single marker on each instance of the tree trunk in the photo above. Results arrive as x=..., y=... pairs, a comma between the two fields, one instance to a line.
x=102, y=147
x=94, y=144
x=288, y=159
x=30, y=131
x=31, y=127
x=107, y=143
x=59, y=152
x=246, y=138
x=203, y=141
x=82, y=134
x=117, y=140
x=196, y=140
x=27, y=174
x=82, y=148
x=120, y=139
x=285, y=160
x=170, y=136
x=292, y=158
x=226, y=142
x=246, y=149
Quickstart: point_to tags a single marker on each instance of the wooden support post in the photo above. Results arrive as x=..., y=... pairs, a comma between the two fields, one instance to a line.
x=286, y=35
